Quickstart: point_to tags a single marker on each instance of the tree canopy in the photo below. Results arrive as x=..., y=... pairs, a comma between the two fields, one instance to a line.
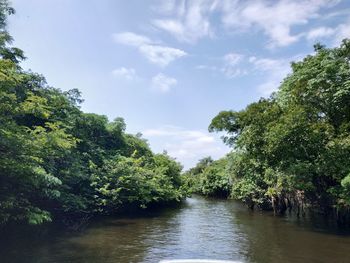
x=59, y=162
x=293, y=147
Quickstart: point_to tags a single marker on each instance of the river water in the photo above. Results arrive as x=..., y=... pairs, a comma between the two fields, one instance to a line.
x=200, y=228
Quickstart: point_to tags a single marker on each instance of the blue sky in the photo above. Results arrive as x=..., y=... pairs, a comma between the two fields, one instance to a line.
x=168, y=67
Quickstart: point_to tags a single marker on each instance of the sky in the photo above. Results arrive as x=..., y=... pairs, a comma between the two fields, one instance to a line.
x=169, y=67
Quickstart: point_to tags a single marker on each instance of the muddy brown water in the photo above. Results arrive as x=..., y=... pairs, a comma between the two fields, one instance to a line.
x=201, y=228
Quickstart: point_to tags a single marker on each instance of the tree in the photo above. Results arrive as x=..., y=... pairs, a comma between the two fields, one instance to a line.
x=57, y=162
x=294, y=146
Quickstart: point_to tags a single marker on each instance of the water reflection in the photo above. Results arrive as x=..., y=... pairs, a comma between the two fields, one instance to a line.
x=201, y=228
x=274, y=239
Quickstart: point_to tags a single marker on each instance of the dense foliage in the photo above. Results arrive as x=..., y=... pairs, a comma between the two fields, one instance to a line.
x=209, y=178
x=57, y=161
x=293, y=148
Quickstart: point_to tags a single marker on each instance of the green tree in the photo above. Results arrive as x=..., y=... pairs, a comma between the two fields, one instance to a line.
x=294, y=146
x=57, y=162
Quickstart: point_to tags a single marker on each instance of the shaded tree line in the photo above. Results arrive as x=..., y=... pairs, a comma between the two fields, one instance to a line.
x=58, y=162
x=293, y=148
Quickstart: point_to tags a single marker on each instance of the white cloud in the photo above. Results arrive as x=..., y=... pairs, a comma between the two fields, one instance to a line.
x=172, y=26
x=206, y=67
x=233, y=58
x=189, y=19
x=230, y=67
x=128, y=73
x=275, y=18
x=274, y=70
x=161, y=55
x=131, y=39
x=320, y=32
x=231, y=72
x=267, y=64
x=165, y=7
x=342, y=31
x=338, y=33
x=266, y=88
x=169, y=130
x=337, y=13
x=188, y=146
x=163, y=83
x=157, y=54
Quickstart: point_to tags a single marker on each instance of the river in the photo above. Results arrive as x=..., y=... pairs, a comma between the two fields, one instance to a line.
x=200, y=228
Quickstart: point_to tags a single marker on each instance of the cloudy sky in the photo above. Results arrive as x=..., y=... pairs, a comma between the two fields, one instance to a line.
x=168, y=67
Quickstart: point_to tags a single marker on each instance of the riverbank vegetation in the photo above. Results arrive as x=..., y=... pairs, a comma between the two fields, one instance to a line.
x=57, y=162
x=293, y=148
x=290, y=150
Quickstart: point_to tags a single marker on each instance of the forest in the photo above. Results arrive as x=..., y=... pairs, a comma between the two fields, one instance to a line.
x=57, y=162
x=289, y=151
